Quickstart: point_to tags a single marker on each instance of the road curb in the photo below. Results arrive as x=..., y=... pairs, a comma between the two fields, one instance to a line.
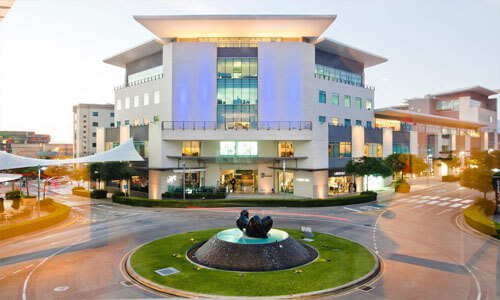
x=186, y=294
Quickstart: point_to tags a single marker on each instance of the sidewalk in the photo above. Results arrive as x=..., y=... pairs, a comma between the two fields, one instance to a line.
x=417, y=185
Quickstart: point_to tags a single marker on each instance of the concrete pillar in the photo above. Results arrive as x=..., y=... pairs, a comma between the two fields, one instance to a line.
x=320, y=184
x=467, y=143
x=414, y=142
x=453, y=141
x=155, y=184
x=100, y=139
x=484, y=140
x=495, y=140
x=439, y=145
x=358, y=141
x=386, y=142
x=124, y=133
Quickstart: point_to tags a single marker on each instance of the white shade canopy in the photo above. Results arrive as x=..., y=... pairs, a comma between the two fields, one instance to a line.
x=124, y=152
x=4, y=177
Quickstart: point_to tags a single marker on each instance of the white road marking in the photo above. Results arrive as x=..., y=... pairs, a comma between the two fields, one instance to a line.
x=418, y=206
x=467, y=201
x=426, y=197
x=356, y=210
x=456, y=205
x=456, y=199
x=433, y=202
x=415, y=196
x=444, y=211
x=446, y=198
x=3, y=277
x=16, y=272
x=401, y=200
x=443, y=203
x=412, y=200
x=423, y=201
x=28, y=266
x=435, y=198
x=465, y=206
x=61, y=288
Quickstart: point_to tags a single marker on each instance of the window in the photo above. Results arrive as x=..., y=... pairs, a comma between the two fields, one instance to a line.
x=136, y=101
x=190, y=148
x=112, y=114
x=368, y=124
x=93, y=145
x=157, y=97
x=337, y=75
x=156, y=118
x=447, y=105
x=322, y=97
x=322, y=119
x=94, y=134
x=95, y=114
x=95, y=124
x=84, y=121
x=347, y=101
x=127, y=103
x=373, y=150
x=111, y=124
x=335, y=99
x=285, y=149
x=127, y=122
x=347, y=122
x=145, y=121
x=359, y=123
x=400, y=148
x=118, y=123
x=368, y=104
x=490, y=119
x=335, y=121
x=142, y=75
x=146, y=99
x=359, y=103
x=475, y=103
x=136, y=122
x=118, y=104
x=339, y=149
x=231, y=148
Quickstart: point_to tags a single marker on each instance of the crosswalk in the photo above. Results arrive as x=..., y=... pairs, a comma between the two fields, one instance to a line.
x=445, y=202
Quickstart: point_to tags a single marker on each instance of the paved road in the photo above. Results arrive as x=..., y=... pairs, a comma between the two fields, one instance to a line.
x=427, y=251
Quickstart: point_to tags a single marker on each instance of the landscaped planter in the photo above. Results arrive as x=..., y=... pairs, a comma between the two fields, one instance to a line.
x=402, y=188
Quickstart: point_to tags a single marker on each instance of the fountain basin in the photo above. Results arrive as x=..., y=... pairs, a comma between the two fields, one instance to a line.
x=231, y=250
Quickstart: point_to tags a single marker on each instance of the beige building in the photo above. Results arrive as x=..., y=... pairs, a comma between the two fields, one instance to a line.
x=48, y=151
x=86, y=119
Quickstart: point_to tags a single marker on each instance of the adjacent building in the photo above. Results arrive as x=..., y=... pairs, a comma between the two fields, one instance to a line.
x=10, y=138
x=46, y=151
x=86, y=119
x=262, y=99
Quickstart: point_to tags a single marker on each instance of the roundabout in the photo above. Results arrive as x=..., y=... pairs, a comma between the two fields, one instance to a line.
x=336, y=265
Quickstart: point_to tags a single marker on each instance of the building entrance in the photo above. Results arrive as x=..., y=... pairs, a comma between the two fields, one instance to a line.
x=339, y=185
x=288, y=187
x=245, y=181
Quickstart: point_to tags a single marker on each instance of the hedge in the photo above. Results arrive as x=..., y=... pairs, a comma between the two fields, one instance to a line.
x=450, y=178
x=217, y=195
x=14, y=195
x=136, y=201
x=477, y=217
x=58, y=213
x=99, y=194
x=82, y=193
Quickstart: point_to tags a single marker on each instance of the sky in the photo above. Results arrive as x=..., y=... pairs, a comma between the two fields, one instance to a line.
x=51, y=51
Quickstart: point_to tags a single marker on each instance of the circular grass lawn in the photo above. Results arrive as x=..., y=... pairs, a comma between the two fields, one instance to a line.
x=340, y=261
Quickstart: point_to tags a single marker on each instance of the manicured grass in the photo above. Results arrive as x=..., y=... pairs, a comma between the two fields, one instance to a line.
x=349, y=261
x=274, y=202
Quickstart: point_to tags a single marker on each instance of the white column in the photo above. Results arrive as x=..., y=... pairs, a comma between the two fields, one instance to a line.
x=484, y=141
x=124, y=133
x=439, y=144
x=495, y=140
x=414, y=142
x=453, y=142
x=100, y=139
x=155, y=184
x=320, y=184
x=358, y=141
x=386, y=141
x=467, y=143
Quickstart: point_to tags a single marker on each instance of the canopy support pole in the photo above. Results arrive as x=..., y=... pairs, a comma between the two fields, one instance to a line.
x=38, y=192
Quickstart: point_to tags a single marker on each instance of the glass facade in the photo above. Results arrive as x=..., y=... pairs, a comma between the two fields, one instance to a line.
x=190, y=148
x=400, y=148
x=448, y=105
x=339, y=149
x=237, y=92
x=373, y=150
x=285, y=149
x=333, y=74
x=232, y=148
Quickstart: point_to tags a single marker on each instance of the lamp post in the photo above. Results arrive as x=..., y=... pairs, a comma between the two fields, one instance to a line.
x=184, y=181
x=284, y=169
x=38, y=192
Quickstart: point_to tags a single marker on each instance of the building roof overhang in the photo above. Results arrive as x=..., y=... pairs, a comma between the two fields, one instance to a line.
x=331, y=46
x=476, y=89
x=5, y=6
x=135, y=53
x=415, y=117
x=195, y=26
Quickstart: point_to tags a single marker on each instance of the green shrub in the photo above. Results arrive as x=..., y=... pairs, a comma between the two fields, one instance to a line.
x=58, y=213
x=14, y=195
x=76, y=188
x=370, y=193
x=46, y=202
x=450, y=178
x=135, y=201
x=477, y=217
x=99, y=194
x=217, y=195
x=82, y=193
x=117, y=194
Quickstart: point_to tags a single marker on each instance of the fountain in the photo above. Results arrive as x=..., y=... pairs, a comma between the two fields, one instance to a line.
x=252, y=246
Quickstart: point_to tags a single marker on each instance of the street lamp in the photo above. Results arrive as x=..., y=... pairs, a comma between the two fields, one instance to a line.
x=184, y=181
x=284, y=168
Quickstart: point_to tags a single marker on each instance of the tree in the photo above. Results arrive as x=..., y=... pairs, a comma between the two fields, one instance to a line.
x=417, y=165
x=367, y=166
x=478, y=179
x=55, y=171
x=79, y=173
x=452, y=163
x=406, y=163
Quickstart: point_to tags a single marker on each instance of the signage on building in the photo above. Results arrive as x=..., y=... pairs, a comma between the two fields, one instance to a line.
x=171, y=179
x=340, y=173
x=303, y=179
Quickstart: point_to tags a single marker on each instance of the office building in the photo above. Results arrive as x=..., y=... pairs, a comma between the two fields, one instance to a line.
x=86, y=119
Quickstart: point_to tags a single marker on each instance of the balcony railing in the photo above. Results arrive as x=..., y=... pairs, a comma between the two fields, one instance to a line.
x=137, y=82
x=260, y=125
x=329, y=78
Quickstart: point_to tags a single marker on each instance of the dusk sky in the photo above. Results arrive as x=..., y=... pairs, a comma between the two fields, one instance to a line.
x=51, y=51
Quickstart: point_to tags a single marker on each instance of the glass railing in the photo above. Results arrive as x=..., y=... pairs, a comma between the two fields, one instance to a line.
x=141, y=81
x=259, y=125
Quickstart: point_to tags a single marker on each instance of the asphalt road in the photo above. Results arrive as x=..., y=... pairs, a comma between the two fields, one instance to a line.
x=427, y=251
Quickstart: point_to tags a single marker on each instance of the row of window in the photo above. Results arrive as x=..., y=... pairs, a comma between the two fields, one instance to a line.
x=358, y=101
x=145, y=98
x=347, y=122
x=236, y=148
x=96, y=114
x=333, y=74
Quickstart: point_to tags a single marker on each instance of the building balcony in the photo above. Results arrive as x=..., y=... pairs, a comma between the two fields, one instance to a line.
x=261, y=130
x=138, y=82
